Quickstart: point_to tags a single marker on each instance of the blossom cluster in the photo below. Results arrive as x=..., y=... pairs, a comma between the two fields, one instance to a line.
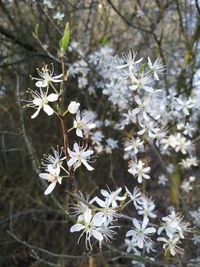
x=148, y=118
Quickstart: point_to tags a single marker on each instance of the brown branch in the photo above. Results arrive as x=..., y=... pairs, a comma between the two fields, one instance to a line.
x=125, y=19
x=73, y=186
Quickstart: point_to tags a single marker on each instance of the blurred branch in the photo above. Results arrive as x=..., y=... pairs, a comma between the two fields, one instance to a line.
x=12, y=37
x=181, y=21
x=31, y=151
x=53, y=254
x=19, y=214
x=127, y=21
x=197, y=6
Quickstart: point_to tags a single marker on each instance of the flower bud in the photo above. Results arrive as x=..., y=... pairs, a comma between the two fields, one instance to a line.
x=73, y=107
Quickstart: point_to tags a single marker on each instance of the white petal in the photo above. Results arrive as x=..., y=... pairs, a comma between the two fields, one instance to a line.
x=70, y=152
x=76, y=228
x=50, y=188
x=138, y=100
x=71, y=161
x=156, y=76
x=105, y=193
x=136, y=224
x=35, y=114
x=100, y=202
x=78, y=116
x=79, y=132
x=133, y=87
x=87, y=153
x=162, y=239
x=41, y=84
x=52, y=97
x=90, y=168
x=48, y=110
x=130, y=233
x=145, y=222
x=57, y=76
x=160, y=230
x=140, y=243
x=98, y=219
x=91, y=126
x=150, y=230
x=50, y=169
x=76, y=147
x=135, y=111
x=60, y=180
x=37, y=101
x=57, y=170
x=87, y=215
x=148, y=89
x=97, y=235
x=44, y=176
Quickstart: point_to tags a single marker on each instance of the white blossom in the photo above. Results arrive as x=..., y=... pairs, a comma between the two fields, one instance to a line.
x=129, y=60
x=178, y=142
x=41, y=101
x=47, y=77
x=53, y=176
x=189, y=162
x=136, y=197
x=55, y=160
x=156, y=68
x=162, y=179
x=90, y=226
x=143, y=82
x=173, y=224
x=138, y=169
x=184, y=105
x=134, y=144
x=79, y=156
x=170, y=244
x=113, y=196
x=111, y=144
x=82, y=123
x=58, y=15
x=147, y=208
x=140, y=234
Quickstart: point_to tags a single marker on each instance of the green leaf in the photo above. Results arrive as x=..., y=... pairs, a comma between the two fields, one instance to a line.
x=64, y=40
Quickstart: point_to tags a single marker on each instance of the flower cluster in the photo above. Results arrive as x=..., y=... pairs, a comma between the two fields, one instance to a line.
x=97, y=222
x=53, y=164
x=175, y=229
x=152, y=122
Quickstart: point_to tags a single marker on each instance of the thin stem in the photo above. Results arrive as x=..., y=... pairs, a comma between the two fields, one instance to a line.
x=66, y=142
x=71, y=129
x=65, y=137
x=63, y=72
x=53, y=87
x=65, y=112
